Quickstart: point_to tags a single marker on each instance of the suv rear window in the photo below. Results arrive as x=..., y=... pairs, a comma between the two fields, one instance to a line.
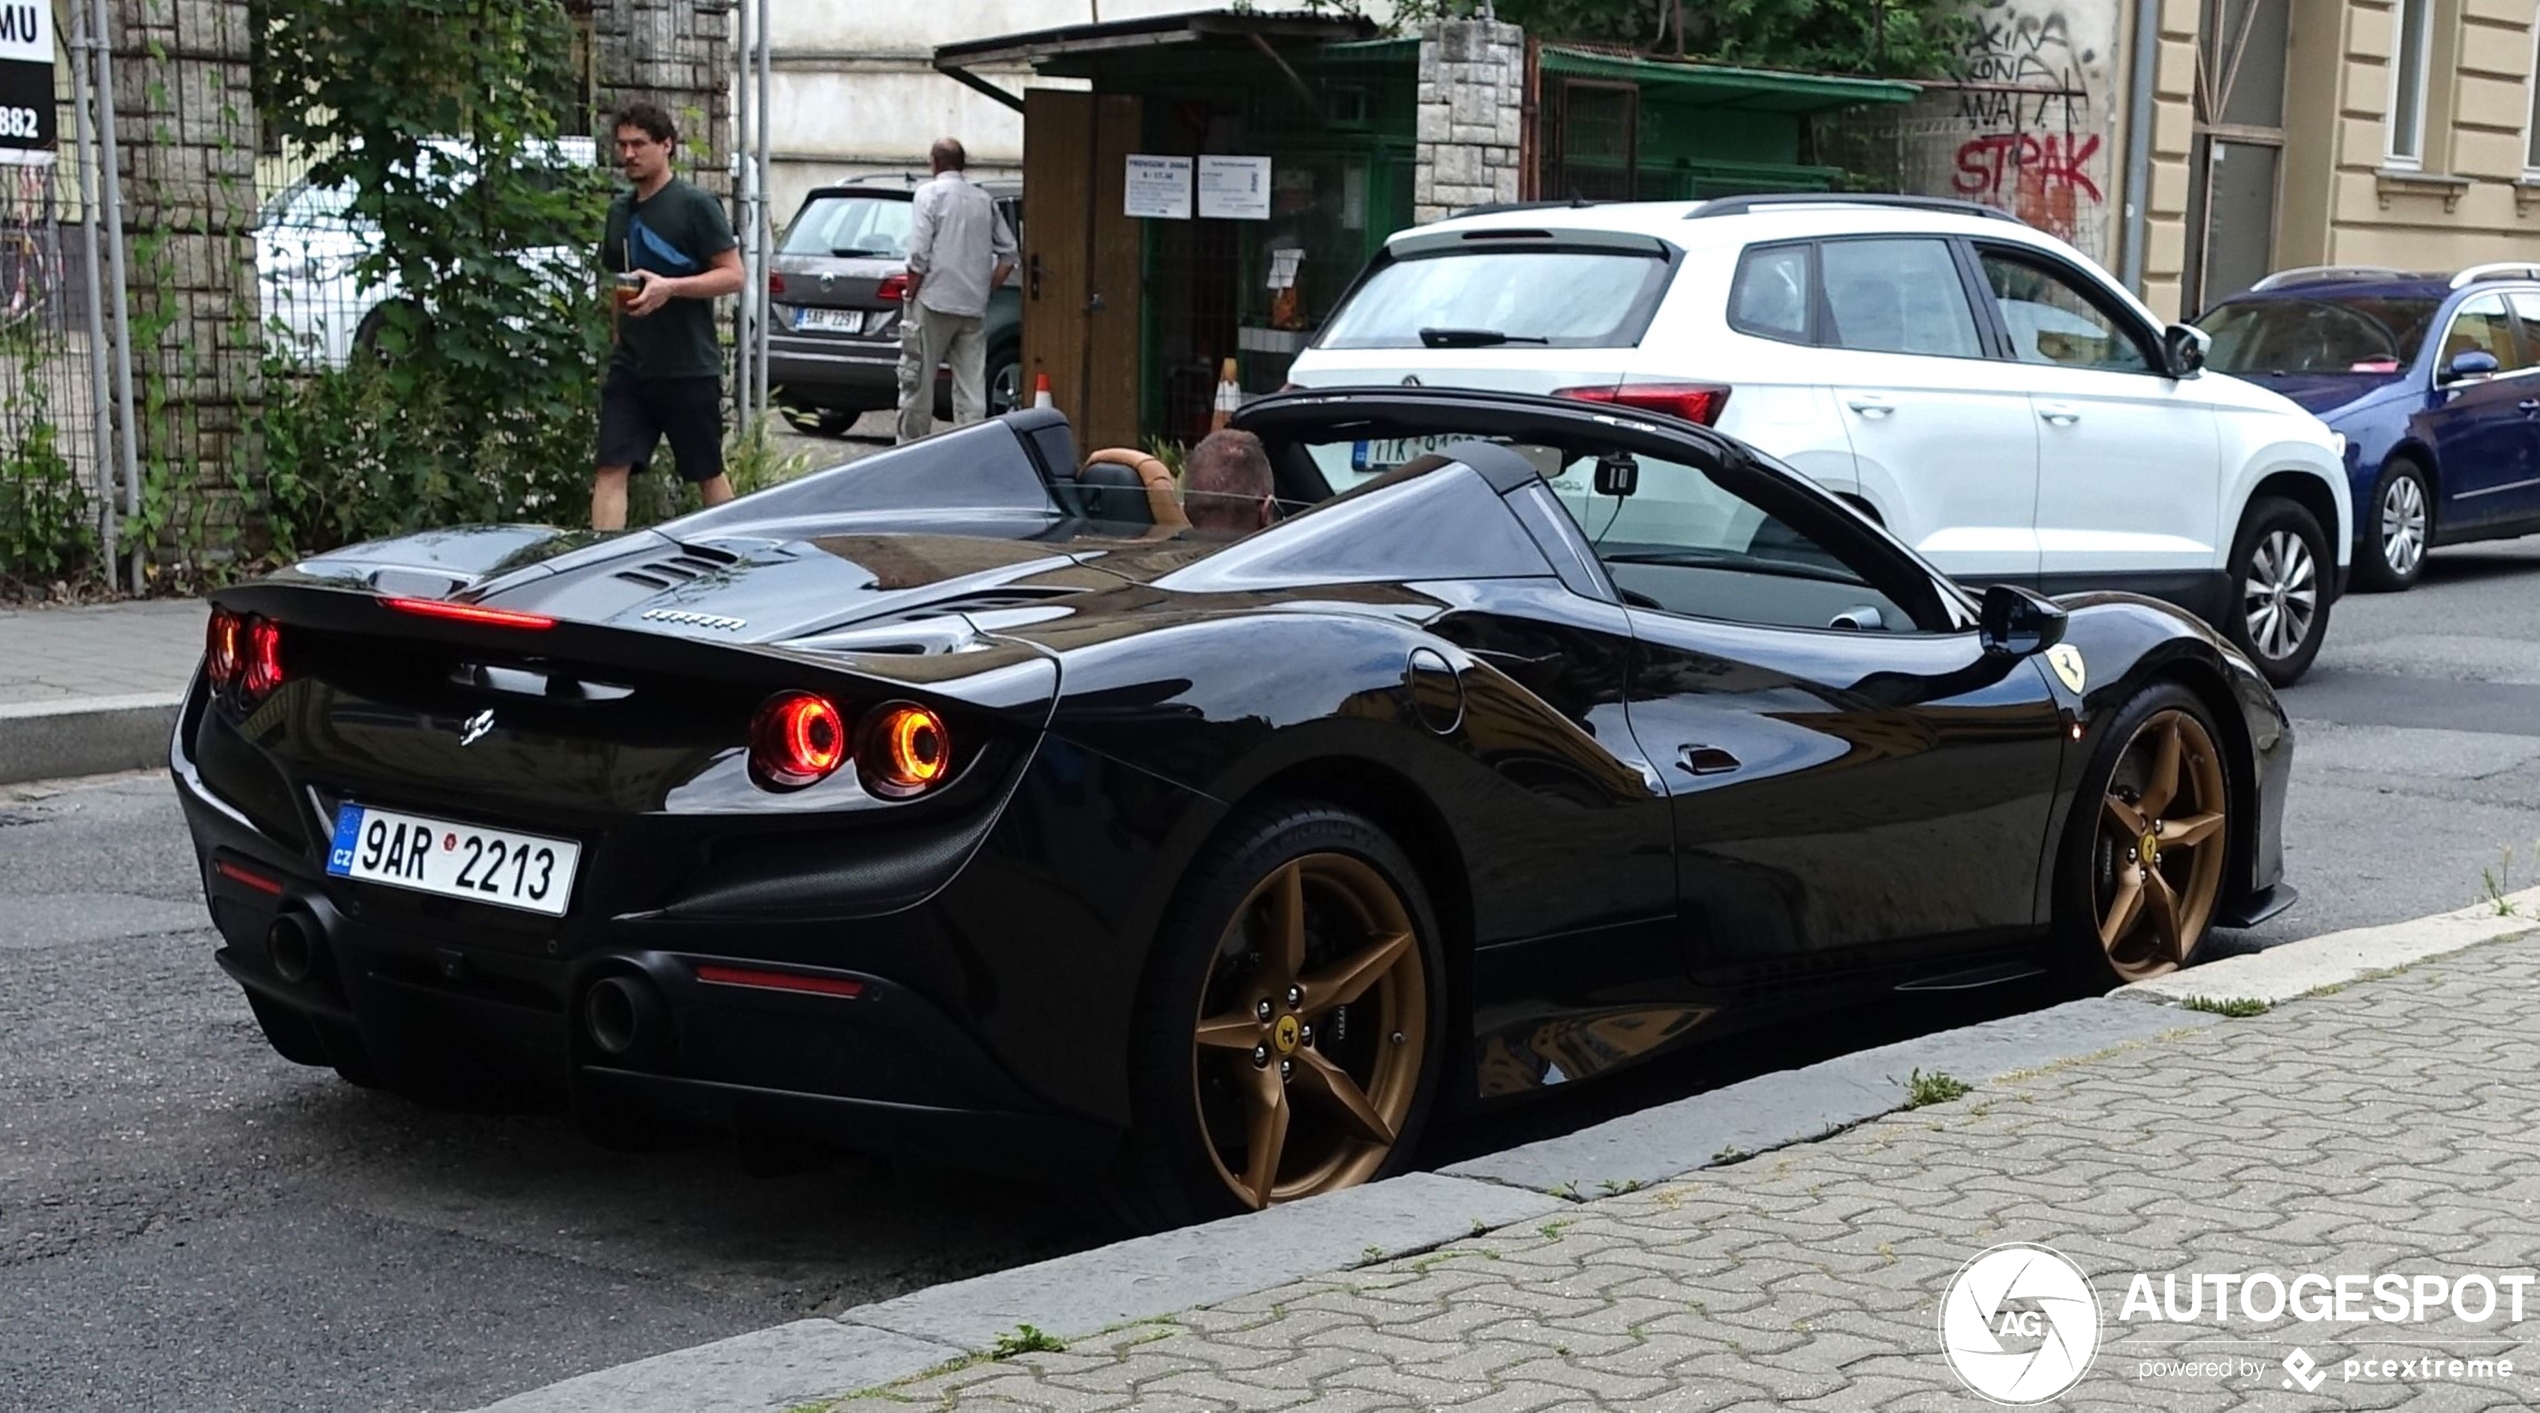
x=1554, y=297
x=865, y=226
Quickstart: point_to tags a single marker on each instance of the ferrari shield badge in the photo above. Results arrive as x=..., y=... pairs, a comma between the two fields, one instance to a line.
x=2066, y=660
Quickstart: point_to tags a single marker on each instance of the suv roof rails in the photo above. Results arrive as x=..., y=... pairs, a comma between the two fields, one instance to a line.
x=2500, y=270
x=1767, y=200
x=2311, y=274
x=1493, y=208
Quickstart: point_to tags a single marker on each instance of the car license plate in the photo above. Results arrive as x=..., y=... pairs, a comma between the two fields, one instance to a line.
x=454, y=860
x=836, y=321
x=1387, y=453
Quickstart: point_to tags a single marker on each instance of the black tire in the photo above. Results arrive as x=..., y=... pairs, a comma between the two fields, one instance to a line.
x=1005, y=379
x=2279, y=541
x=366, y=335
x=2398, y=528
x=2085, y=863
x=1167, y=1173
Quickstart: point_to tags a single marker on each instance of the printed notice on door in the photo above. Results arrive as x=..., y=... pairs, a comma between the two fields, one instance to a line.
x=1234, y=188
x=1158, y=187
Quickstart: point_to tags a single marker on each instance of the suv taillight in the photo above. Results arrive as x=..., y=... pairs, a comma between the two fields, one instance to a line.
x=1694, y=402
x=892, y=290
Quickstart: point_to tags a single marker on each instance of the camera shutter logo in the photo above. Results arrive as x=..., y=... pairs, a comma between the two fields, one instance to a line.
x=2019, y=1324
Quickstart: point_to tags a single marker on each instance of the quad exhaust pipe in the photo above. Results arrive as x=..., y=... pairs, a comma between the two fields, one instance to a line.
x=626, y=1017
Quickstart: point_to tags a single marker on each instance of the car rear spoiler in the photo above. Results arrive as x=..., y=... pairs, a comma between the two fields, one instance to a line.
x=1011, y=680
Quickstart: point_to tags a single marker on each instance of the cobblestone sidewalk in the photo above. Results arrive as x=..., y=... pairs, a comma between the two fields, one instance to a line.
x=2386, y=1128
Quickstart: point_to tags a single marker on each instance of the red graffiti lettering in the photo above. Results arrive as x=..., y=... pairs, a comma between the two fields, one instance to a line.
x=2047, y=178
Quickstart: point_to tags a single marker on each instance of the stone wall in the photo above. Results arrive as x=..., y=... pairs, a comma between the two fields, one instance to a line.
x=677, y=53
x=1472, y=116
x=186, y=128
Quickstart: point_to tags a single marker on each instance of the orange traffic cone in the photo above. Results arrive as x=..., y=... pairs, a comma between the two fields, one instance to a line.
x=1041, y=390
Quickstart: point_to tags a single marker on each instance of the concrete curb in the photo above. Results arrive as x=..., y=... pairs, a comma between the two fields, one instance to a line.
x=2293, y=969
x=85, y=736
x=1154, y=1276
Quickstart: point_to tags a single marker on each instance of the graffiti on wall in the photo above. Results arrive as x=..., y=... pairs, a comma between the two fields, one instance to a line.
x=2023, y=127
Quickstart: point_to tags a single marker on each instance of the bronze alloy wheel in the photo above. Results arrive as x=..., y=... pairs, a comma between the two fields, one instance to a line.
x=2158, y=867
x=1311, y=1031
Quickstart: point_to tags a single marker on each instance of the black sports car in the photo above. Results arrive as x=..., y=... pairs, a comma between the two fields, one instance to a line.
x=965, y=802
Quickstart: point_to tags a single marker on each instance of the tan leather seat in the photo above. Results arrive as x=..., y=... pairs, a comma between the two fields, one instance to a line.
x=1163, y=497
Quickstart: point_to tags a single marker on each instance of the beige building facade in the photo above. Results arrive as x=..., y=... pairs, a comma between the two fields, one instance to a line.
x=2286, y=133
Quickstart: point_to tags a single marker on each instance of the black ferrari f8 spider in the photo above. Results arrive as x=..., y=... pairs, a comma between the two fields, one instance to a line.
x=966, y=802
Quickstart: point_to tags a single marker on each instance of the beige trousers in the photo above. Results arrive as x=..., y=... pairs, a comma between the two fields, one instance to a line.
x=926, y=339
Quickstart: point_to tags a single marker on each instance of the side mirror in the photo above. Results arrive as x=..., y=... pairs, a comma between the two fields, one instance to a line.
x=2470, y=363
x=2186, y=346
x=2018, y=623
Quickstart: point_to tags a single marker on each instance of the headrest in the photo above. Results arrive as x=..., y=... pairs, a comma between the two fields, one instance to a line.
x=1113, y=492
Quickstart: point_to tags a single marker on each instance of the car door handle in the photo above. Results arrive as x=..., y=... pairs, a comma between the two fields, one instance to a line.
x=1705, y=760
x=2060, y=413
x=1870, y=406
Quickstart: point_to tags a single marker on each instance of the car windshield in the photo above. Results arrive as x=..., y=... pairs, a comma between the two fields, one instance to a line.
x=2317, y=335
x=869, y=226
x=1525, y=298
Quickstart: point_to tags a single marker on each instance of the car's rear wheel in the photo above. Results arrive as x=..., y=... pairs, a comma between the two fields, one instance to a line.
x=2280, y=590
x=1290, y=1031
x=2402, y=521
x=1005, y=380
x=2142, y=871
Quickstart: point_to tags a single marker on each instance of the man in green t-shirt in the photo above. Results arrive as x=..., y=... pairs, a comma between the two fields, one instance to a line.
x=665, y=375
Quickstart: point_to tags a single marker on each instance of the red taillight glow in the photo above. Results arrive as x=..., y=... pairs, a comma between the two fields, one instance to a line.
x=778, y=981
x=1694, y=402
x=250, y=877
x=470, y=613
x=264, y=658
x=892, y=290
x=907, y=750
x=776, y=282
x=797, y=739
x=223, y=647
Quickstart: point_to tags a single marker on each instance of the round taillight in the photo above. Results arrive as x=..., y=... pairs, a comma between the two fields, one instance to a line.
x=907, y=750
x=797, y=739
x=263, y=665
x=223, y=650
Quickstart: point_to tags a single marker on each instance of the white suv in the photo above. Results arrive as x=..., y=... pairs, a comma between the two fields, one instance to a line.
x=1978, y=386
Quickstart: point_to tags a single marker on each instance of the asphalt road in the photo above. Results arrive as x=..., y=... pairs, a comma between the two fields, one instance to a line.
x=187, y=1219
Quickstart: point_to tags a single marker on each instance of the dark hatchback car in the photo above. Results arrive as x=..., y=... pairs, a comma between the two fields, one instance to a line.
x=2433, y=379
x=834, y=293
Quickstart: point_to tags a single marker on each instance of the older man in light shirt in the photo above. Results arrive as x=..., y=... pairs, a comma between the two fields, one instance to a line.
x=958, y=250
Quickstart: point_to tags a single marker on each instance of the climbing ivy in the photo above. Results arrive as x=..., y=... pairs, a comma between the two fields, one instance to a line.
x=1893, y=38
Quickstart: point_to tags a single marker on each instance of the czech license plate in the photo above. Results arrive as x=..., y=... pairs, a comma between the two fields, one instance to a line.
x=494, y=866
x=1386, y=453
x=834, y=321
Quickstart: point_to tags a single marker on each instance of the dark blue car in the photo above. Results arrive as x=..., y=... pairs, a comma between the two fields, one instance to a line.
x=2434, y=379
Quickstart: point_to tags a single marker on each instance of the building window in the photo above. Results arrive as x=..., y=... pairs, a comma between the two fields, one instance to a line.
x=2409, y=49
x=2531, y=131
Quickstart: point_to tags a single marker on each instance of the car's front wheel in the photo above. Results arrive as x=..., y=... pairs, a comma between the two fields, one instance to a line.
x=2403, y=528
x=2142, y=867
x=1290, y=1030
x=2280, y=589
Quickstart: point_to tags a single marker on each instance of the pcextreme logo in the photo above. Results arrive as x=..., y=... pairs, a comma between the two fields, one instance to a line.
x=2019, y=1324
